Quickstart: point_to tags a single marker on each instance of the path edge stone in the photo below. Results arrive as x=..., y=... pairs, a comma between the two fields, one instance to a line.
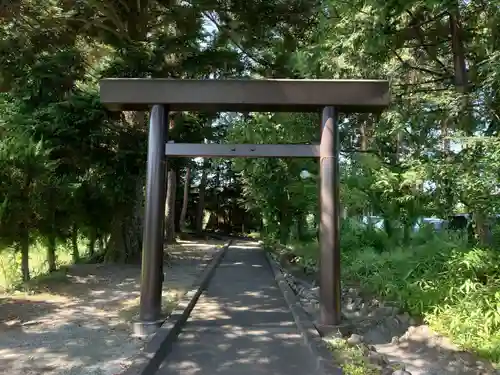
x=155, y=350
x=310, y=335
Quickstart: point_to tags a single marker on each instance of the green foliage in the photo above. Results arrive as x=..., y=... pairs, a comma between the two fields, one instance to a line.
x=10, y=262
x=351, y=359
x=454, y=287
x=355, y=235
x=88, y=164
x=275, y=186
x=25, y=170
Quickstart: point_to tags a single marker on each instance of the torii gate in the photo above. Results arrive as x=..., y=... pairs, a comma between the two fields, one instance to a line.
x=243, y=95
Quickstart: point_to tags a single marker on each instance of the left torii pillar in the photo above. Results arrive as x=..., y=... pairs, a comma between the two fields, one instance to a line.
x=153, y=225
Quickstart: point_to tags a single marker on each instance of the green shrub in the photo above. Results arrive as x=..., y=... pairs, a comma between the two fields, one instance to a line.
x=10, y=263
x=355, y=236
x=438, y=276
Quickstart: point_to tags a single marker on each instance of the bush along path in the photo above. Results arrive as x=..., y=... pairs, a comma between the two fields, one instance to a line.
x=377, y=338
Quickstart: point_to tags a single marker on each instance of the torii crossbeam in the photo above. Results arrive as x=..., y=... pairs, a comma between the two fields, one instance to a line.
x=243, y=95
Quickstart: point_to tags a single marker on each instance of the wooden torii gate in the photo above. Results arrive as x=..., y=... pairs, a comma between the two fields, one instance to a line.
x=242, y=95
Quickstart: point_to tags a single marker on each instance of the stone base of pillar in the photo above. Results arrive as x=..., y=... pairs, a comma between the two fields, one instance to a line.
x=142, y=329
x=333, y=331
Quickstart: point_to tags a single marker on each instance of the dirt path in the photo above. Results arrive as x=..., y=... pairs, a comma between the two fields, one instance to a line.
x=425, y=353
x=77, y=321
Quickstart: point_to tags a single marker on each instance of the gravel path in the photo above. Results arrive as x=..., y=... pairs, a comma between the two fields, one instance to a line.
x=77, y=322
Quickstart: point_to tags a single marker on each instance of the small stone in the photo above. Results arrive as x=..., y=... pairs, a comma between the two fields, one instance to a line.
x=312, y=297
x=397, y=366
x=363, y=307
x=352, y=292
x=383, y=311
x=355, y=339
x=364, y=349
x=350, y=315
x=350, y=306
x=336, y=334
x=411, y=330
x=404, y=318
x=377, y=358
x=395, y=340
x=309, y=308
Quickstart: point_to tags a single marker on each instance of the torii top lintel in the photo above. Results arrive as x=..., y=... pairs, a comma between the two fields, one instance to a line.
x=245, y=95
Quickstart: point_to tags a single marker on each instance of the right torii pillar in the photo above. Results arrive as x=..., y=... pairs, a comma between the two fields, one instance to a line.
x=329, y=228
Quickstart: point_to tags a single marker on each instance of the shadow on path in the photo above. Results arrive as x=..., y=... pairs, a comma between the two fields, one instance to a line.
x=240, y=325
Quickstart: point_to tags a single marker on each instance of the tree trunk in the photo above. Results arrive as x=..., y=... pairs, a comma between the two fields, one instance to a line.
x=457, y=46
x=388, y=227
x=460, y=67
x=481, y=229
x=177, y=203
x=125, y=242
x=212, y=223
x=364, y=130
x=217, y=221
x=185, y=199
x=201, y=200
x=25, y=254
x=92, y=240
x=74, y=244
x=170, y=208
x=301, y=227
x=407, y=229
x=100, y=243
x=51, y=251
x=447, y=184
x=284, y=230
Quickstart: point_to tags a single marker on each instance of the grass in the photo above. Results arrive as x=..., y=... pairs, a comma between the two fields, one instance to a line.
x=455, y=288
x=254, y=235
x=10, y=264
x=130, y=310
x=351, y=358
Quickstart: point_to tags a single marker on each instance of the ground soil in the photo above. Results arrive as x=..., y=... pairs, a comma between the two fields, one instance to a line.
x=77, y=321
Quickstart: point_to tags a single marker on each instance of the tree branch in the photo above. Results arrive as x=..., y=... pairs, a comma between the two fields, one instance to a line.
x=437, y=80
x=422, y=44
x=408, y=65
x=236, y=44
